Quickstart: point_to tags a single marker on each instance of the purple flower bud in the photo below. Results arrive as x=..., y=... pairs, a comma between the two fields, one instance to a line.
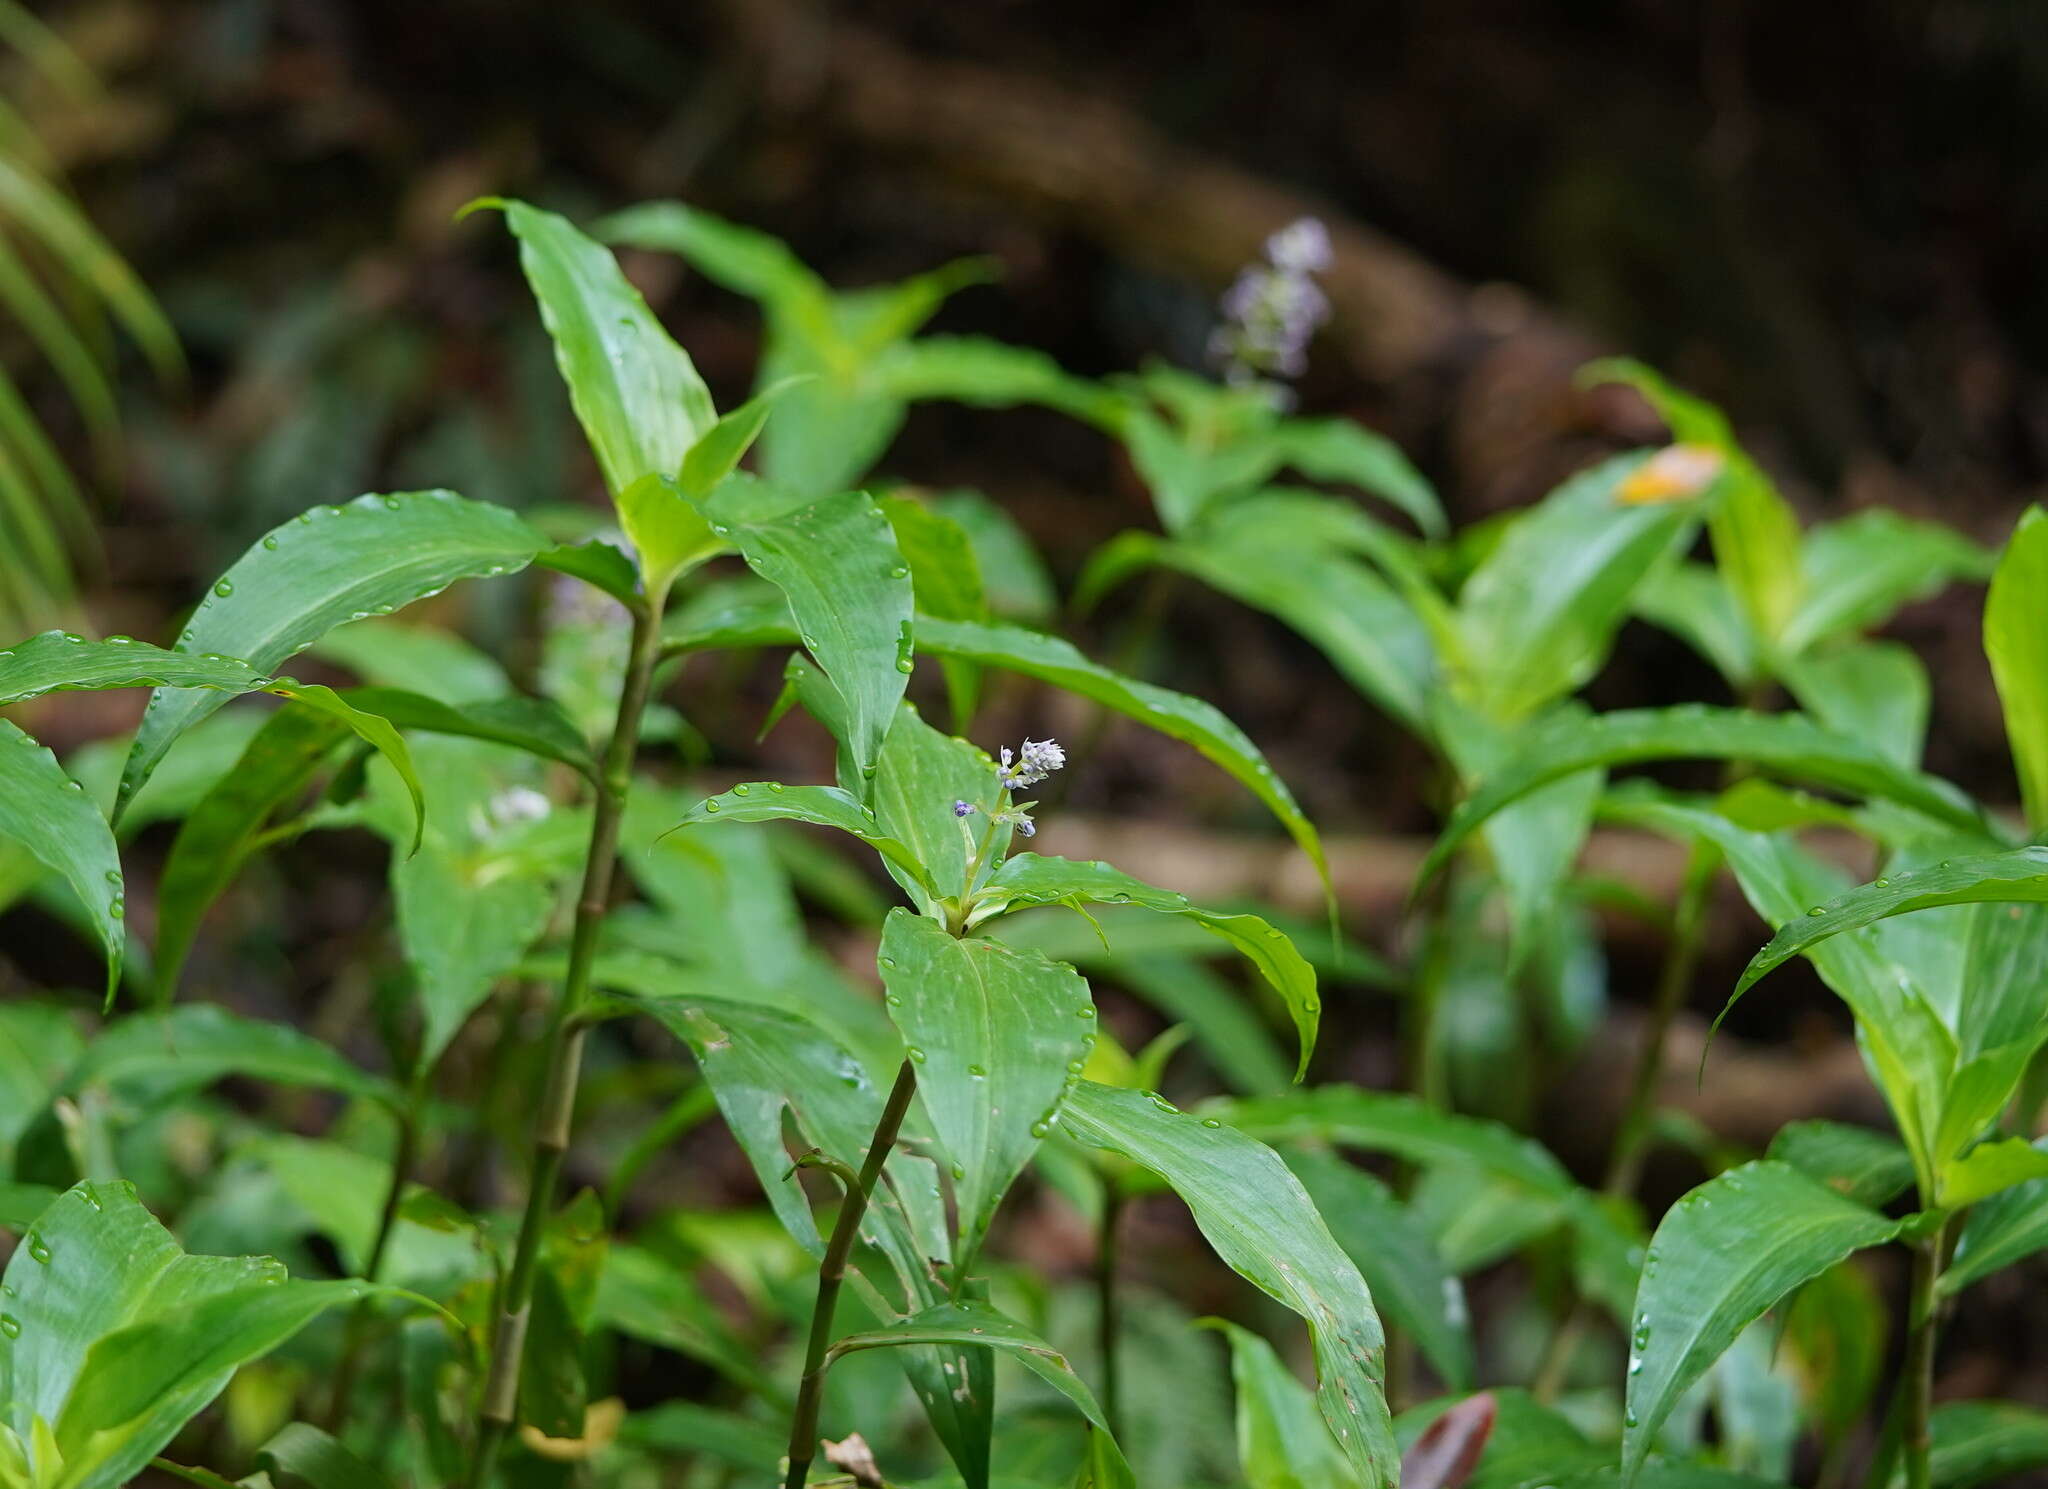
x=963, y=809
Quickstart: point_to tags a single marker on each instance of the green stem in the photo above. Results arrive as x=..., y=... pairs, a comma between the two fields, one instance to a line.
x=1109, y=1315
x=1632, y=1135
x=356, y=1337
x=1916, y=1386
x=803, y=1427
x=565, y=1048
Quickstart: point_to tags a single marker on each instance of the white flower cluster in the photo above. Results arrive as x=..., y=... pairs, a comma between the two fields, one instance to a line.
x=1274, y=308
x=1038, y=759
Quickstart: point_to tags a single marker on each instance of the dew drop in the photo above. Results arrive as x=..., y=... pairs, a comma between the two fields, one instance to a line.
x=1818, y=910
x=899, y=571
x=1212, y=1122
x=1086, y=1011
x=10, y=1326
x=977, y=1072
x=917, y=1056
x=224, y=588
x=742, y=790
x=38, y=1249
x=270, y=543
x=885, y=961
x=775, y=786
x=710, y=806
x=959, y=1172
x=392, y=503
x=1040, y=1129
x=904, y=664
x=893, y=1001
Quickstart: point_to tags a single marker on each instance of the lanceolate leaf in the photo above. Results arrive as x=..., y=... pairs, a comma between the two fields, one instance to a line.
x=977, y=1324
x=328, y=566
x=827, y=806
x=1409, y=1280
x=1984, y=1442
x=2006, y=1228
x=305, y=1455
x=636, y=393
x=1173, y=714
x=119, y=1337
x=153, y=1055
x=1868, y=1167
x=58, y=661
x=1029, y=879
x=49, y=814
x=1387, y=1122
x=1263, y=1225
x=218, y=835
x=535, y=725
x=2018, y=877
x=1862, y=568
x=1539, y=614
x=2016, y=641
x=1784, y=743
x=849, y=591
x=1281, y=1440
x=761, y=1061
x=996, y=1035
x=1706, y=1279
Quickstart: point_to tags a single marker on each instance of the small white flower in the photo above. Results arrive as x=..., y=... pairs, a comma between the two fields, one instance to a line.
x=1302, y=247
x=1038, y=759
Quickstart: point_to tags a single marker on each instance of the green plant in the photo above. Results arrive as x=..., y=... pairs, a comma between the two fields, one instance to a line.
x=574, y=888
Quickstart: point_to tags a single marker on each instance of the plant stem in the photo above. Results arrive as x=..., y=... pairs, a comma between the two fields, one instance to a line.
x=1631, y=1135
x=1109, y=1316
x=1916, y=1385
x=565, y=1047
x=803, y=1427
x=357, y=1335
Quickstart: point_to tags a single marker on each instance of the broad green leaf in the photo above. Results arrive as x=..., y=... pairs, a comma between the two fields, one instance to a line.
x=1538, y=615
x=47, y=813
x=922, y=773
x=996, y=1035
x=1785, y=743
x=1019, y=589
x=303, y=1454
x=1391, y=1122
x=96, y=1265
x=2016, y=641
x=2017, y=877
x=742, y=259
x=1351, y=614
x=760, y=1062
x=1835, y=1336
x=1340, y=451
x=1262, y=1224
x=1281, y=1440
x=849, y=591
x=60, y=661
x=1705, y=1279
x=1865, y=1166
x=536, y=725
x=827, y=806
x=1691, y=601
x=1030, y=879
x=22, y=1204
x=38, y=1044
x=666, y=528
x=216, y=839
x=1173, y=714
x=989, y=374
x=478, y=892
x=143, y=1382
x=636, y=393
x=1755, y=534
x=1863, y=568
x=977, y=1325
x=596, y=563
x=154, y=1055
x=1871, y=690
x=645, y=1296
x=1990, y=1168
x=1395, y=1255
x=2006, y=1228
x=945, y=577
x=718, y=452
x=1983, y=1442
x=684, y=1427
x=2005, y=965
x=328, y=566
x=416, y=658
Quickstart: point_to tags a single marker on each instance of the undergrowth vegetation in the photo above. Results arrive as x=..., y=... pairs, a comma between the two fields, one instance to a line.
x=427, y=1233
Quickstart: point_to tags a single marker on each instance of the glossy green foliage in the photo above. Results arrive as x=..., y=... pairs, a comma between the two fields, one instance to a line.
x=328, y=566
x=2016, y=642
x=116, y=1337
x=1261, y=1222
x=1705, y=1280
